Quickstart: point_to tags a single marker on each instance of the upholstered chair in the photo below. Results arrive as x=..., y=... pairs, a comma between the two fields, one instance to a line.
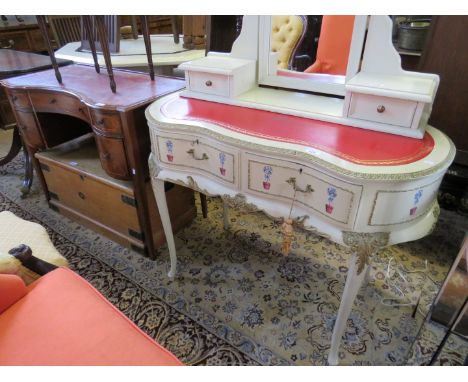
x=287, y=33
x=334, y=44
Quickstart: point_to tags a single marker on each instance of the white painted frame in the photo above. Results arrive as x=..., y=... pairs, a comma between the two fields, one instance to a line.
x=267, y=73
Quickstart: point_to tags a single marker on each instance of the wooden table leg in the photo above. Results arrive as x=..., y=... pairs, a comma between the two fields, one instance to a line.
x=14, y=148
x=161, y=201
x=28, y=173
x=363, y=245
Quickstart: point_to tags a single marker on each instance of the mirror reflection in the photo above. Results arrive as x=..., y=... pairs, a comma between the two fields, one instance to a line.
x=311, y=47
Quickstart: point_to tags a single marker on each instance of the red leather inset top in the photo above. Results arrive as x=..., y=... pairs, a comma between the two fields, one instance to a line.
x=353, y=144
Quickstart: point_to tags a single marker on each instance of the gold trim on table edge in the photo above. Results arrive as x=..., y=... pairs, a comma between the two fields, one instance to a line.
x=357, y=175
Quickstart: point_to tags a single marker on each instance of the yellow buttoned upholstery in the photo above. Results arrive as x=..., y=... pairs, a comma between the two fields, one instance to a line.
x=286, y=34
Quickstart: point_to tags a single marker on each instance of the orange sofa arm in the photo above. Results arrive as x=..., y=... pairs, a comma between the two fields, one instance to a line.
x=12, y=289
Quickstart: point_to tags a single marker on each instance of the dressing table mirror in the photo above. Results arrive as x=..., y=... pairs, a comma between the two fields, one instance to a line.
x=329, y=44
x=345, y=154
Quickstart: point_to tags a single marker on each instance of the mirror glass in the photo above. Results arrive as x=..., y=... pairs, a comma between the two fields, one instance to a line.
x=311, y=47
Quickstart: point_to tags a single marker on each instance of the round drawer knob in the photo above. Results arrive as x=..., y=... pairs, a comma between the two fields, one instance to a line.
x=81, y=195
x=208, y=83
x=52, y=101
x=380, y=109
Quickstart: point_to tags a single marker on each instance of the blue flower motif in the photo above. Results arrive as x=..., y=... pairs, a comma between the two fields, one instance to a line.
x=169, y=146
x=417, y=196
x=332, y=194
x=287, y=341
x=267, y=171
x=222, y=158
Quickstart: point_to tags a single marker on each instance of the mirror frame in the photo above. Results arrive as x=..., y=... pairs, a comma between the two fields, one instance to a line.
x=266, y=77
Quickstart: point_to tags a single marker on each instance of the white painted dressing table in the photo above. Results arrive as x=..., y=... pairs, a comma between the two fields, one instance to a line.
x=361, y=188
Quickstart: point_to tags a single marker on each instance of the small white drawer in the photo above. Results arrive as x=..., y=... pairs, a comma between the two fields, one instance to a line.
x=391, y=111
x=209, y=83
x=333, y=198
x=196, y=154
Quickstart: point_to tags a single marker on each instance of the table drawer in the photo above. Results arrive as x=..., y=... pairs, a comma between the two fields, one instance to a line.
x=59, y=103
x=331, y=197
x=392, y=111
x=209, y=83
x=106, y=122
x=199, y=154
x=112, y=156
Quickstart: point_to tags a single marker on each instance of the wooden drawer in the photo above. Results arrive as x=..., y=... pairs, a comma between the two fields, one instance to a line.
x=100, y=201
x=20, y=101
x=112, y=156
x=106, y=123
x=81, y=190
x=59, y=103
x=209, y=83
x=198, y=154
x=331, y=197
x=29, y=130
x=392, y=111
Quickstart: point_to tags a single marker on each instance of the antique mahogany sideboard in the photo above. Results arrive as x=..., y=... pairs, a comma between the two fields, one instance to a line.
x=362, y=189
x=50, y=114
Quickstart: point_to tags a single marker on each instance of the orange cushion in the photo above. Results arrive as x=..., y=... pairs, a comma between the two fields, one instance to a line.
x=12, y=288
x=63, y=320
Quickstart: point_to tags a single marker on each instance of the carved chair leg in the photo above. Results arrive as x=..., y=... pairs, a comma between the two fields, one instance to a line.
x=175, y=30
x=88, y=25
x=24, y=254
x=147, y=40
x=204, y=205
x=102, y=33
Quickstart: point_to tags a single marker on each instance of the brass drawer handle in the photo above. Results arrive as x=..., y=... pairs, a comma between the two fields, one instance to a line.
x=81, y=195
x=192, y=153
x=292, y=182
x=208, y=83
x=380, y=109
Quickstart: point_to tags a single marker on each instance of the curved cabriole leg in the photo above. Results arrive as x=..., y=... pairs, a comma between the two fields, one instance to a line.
x=160, y=196
x=363, y=246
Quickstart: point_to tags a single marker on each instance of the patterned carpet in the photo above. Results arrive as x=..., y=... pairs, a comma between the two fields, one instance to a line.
x=237, y=301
